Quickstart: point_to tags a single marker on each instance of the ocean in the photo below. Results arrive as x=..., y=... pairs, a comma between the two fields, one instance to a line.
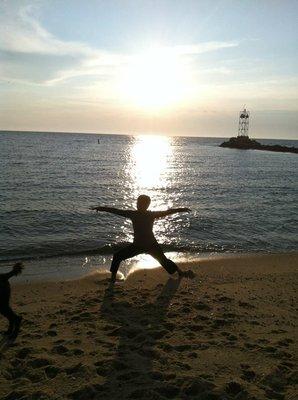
x=241, y=201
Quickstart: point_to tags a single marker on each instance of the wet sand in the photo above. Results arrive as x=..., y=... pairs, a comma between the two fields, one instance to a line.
x=230, y=333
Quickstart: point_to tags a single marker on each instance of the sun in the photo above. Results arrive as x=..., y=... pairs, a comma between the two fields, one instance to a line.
x=154, y=80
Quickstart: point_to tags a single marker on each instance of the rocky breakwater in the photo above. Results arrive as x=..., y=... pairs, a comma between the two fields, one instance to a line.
x=245, y=143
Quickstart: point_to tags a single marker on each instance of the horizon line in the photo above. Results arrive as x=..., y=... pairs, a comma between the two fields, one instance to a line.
x=136, y=134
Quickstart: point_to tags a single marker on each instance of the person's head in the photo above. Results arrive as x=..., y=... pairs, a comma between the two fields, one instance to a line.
x=143, y=202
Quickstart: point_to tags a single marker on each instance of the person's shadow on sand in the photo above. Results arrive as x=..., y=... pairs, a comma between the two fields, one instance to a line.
x=131, y=373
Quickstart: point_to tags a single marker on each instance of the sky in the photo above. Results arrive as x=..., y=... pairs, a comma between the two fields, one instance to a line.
x=160, y=66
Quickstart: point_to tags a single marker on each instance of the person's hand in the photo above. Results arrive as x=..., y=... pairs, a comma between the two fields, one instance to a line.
x=18, y=268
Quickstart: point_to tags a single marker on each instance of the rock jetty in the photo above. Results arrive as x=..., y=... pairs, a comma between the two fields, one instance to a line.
x=245, y=143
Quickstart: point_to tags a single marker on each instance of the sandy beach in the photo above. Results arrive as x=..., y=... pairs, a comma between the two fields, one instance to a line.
x=227, y=334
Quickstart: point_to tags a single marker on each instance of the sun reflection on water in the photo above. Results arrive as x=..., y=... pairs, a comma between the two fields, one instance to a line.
x=150, y=172
x=150, y=157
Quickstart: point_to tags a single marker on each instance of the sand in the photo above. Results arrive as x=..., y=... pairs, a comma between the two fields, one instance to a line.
x=227, y=334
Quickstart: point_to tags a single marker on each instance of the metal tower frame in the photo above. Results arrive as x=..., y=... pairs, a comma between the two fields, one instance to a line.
x=243, y=123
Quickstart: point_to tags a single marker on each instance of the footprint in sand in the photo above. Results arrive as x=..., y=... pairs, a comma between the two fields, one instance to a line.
x=192, y=355
x=35, y=377
x=51, y=333
x=220, y=322
x=247, y=373
x=77, y=370
x=196, y=386
x=201, y=318
x=39, y=363
x=202, y=306
x=224, y=299
x=88, y=392
x=51, y=371
x=195, y=328
x=245, y=305
x=24, y=352
x=183, y=347
x=77, y=352
x=168, y=391
x=103, y=370
x=275, y=383
x=59, y=341
x=60, y=349
x=126, y=376
x=233, y=388
x=285, y=342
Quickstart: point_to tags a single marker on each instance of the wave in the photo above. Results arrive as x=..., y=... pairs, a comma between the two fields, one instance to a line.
x=110, y=249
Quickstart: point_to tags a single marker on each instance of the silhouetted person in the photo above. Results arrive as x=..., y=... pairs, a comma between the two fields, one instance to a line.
x=5, y=309
x=144, y=240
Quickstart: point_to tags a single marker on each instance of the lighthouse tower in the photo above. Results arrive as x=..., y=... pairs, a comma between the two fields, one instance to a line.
x=243, y=123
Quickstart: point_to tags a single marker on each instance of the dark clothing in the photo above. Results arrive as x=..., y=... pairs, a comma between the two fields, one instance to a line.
x=133, y=250
x=4, y=289
x=7, y=312
x=144, y=240
x=5, y=308
x=142, y=222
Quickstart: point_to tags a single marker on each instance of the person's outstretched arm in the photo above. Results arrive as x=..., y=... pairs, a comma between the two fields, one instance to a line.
x=161, y=214
x=16, y=270
x=112, y=210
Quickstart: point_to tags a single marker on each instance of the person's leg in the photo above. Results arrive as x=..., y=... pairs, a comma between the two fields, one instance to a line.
x=121, y=255
x=13, y=319
x=169, y=265
x=17, y=326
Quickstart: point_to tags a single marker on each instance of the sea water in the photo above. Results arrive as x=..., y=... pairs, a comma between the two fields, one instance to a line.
x=240, y=201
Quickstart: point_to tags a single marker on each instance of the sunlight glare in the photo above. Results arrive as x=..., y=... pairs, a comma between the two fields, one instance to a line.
x=156, y=79
x=150, y=155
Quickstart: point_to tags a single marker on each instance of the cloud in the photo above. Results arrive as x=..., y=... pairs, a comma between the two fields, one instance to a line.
x=21, y=32
x=31, y=54
x=199, y=48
